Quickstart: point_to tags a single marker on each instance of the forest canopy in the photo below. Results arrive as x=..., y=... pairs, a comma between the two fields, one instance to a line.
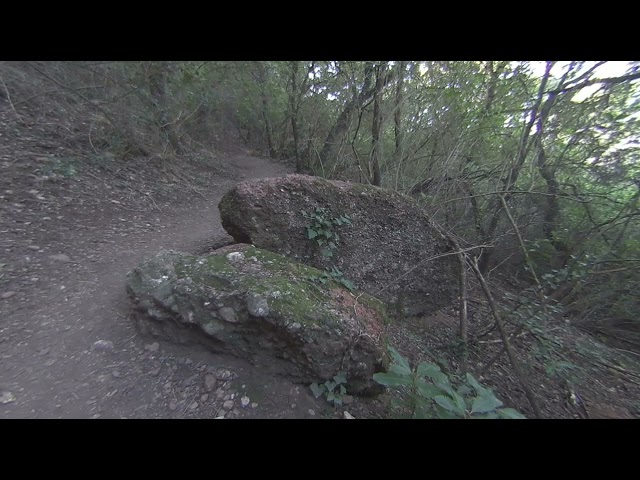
x=536, y=161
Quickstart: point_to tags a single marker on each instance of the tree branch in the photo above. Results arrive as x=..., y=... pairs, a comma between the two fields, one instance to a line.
x=505, y=341
x=605, y=81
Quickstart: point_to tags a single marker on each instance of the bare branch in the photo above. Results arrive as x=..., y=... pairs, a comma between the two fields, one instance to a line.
x=505, y=341
x=428, y=260
x=604, y=81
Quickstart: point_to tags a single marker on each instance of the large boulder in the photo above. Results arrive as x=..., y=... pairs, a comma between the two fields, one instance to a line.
x=390, y=249
x=264, y=308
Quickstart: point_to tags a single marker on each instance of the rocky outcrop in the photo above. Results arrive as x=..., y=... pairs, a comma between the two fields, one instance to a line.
x=390, y=249
x=262, y=307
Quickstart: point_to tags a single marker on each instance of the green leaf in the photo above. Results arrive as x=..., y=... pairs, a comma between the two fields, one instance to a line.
x=442, y=381
x=343, y=391
x=465, y=390
x=399, y=359
x=437, y=376
x=316, y=389
x=480, y=390
x=447, y=404
x=423, y=408
x=459, y=401
x=484, y=404
x=340, y=378
x=428, y=390
x=391, y=379
x=327, y=253
x=330, y=385
x=488, y=416
x=331, y=396
x=426, y=369
x=510, y=413
x=337, y=399
x=311, y=233
x=400, y=369
x=348, y=283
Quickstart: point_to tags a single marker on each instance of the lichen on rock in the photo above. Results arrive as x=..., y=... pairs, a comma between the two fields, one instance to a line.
x=263, y=307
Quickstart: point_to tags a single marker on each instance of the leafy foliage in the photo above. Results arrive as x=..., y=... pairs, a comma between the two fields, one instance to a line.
x=321, y=228
x=427, y=392
x=64, y=167
x=333, y=274
x=334, y=389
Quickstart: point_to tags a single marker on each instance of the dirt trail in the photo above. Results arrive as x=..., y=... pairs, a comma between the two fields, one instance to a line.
x=51, y=367
x=69, y=350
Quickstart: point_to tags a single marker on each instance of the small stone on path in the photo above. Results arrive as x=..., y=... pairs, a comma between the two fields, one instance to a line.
x=103, y=345
x=209, y=382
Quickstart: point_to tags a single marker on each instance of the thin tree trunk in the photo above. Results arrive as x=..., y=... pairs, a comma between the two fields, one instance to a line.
x=295, y=98
x=268, y=128
x=376, y=125
x=509, y=181
x=397, y=114
x=337, y=132
x=157, y=80
x=494, y=74
x=293, y=115
x=552, y=208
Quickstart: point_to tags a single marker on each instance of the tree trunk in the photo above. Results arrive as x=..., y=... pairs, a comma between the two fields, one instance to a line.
x=494, y=74
x=261, y=75
x=295, y=98
x=509, y=181
x=376, y=125
x=341, y=126
x=157, y=79
x=293, y=116
x=552, y=208
x=268, y=130
x=397, y=114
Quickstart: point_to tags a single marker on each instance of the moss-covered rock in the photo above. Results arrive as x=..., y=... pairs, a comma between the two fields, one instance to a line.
x=390, y=250
x=263, y=307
